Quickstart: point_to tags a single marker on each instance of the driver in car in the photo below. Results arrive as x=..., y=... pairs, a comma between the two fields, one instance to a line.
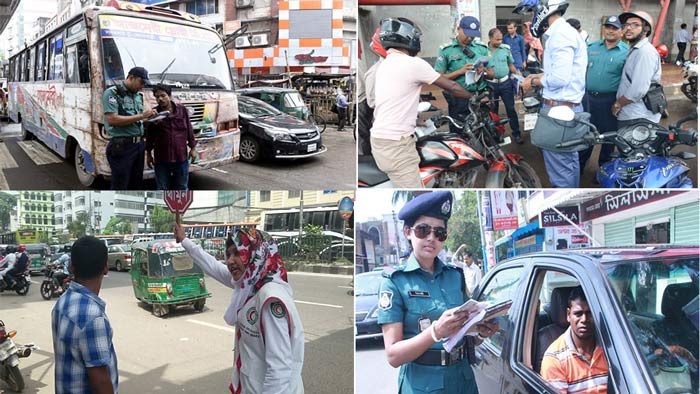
x=574, y=362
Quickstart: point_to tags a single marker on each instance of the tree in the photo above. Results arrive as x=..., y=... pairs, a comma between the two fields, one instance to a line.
x=77, y=227
x=162, y=220
x=8, y=204
x=117, y=225
x=463, y=226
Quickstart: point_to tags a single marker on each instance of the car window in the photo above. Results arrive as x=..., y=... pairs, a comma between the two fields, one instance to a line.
x=256, y=108
x=501, y=287
x=367, y=285
x=660, y=301
x=293, y=100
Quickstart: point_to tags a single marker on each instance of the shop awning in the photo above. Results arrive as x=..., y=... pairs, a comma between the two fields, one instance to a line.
x=526, y=230
x=568, y=198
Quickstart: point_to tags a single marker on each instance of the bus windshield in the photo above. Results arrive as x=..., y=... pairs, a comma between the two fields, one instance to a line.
x=186, y=63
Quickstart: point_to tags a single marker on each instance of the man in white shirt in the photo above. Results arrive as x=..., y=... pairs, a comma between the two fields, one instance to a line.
x=681, y=38
x=399, y=80
x=472, y=272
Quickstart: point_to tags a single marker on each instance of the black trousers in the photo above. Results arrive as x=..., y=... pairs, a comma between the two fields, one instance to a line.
x=342, y=116
x=365, y=118
x=681, y=52
x=456, y=108
x=126, y=161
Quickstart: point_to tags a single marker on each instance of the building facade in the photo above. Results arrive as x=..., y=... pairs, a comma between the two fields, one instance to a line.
x=218, y=206
x=35, y=210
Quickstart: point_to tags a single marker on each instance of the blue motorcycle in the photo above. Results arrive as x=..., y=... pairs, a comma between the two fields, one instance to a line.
x=644, y=158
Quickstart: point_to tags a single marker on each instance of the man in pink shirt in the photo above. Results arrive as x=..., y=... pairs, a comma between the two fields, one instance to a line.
x=399, y=80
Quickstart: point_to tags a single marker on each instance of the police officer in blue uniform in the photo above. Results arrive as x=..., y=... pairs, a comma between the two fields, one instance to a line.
x=417, y=306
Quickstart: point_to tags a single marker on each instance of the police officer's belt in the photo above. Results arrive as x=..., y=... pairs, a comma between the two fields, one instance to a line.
x=501, y=80
x=128, y=139
x=596, y=94
x=441, y=357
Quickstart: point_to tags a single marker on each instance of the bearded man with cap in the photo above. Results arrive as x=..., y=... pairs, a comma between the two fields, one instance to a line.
x=606, y=58
x=642, y=68
x=457, y=57
x=563, y=81
x=417, y=305
x=123, y=109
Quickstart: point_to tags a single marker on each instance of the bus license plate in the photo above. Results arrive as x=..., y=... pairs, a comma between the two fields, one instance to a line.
x=530, y=121
x=311, y=148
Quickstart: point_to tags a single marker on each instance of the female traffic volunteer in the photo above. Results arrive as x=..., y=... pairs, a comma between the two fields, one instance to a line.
x=269, y=345
x=417, y=302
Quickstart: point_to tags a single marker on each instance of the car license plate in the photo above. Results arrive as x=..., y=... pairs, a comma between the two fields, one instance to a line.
x=311, y=148
x=530, y=120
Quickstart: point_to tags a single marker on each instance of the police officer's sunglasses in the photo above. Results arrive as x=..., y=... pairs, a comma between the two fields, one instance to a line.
x=422, y=230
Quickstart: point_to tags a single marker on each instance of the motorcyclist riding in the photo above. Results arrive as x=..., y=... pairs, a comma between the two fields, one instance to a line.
x=63, y=269
x=8, y=262
x=20, y=266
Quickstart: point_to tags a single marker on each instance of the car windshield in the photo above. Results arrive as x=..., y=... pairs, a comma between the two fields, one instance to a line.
x=660, y=301
x=169, y=262
x=190, y=60
x=256, y=108
x=125, y=248
x=367, y=285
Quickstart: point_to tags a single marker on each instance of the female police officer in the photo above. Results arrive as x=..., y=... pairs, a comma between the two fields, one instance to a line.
x=417, y=303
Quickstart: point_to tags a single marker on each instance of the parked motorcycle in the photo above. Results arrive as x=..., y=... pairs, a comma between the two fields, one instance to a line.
x=454, y=159
x=690, y=80
x=644, y=158
x=10, y=353
x=21, y=284
x=51, y=284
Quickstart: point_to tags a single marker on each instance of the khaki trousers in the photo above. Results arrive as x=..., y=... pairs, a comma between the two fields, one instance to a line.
x=399, y=160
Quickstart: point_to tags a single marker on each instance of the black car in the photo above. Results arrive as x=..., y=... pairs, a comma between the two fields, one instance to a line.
x=267, y=132
x=644, y=304
x=366, y=305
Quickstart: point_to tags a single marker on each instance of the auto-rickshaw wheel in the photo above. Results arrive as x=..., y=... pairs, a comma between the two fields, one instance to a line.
x=199, y=305
x=160, y=310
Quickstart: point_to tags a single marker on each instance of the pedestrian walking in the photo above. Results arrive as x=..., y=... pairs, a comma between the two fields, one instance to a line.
x=457, y=57
x=681, y=39
x=502, y=86
x=85, y=360
x=123, y=109
x=606, y=59
x=516, y=43
x=269, y=345
x=563, y=81
x=472, y=272
x=399, y=80
x=168, y=139
x=641, y=75
x=341, y=102
x=417, y=306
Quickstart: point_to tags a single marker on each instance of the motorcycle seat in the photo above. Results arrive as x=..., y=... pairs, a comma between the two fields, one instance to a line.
x=368, y=171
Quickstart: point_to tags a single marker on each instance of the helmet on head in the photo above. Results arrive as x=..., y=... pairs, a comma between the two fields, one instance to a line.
x=400, y=33
x=21, y=248
x=377, y=45
x=644, y=16
x=542, y=10
x=662, y=50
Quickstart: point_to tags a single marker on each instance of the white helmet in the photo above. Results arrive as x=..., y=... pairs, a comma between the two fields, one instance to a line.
x=542, y=9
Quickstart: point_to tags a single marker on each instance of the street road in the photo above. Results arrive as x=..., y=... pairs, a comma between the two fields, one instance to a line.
x=190, y=352
x=31, y=165
x=373, y=374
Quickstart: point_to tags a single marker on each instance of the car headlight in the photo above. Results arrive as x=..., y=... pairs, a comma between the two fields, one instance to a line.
x=278, y=134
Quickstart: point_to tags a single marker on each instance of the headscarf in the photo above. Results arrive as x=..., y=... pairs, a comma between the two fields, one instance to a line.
x=263, y=264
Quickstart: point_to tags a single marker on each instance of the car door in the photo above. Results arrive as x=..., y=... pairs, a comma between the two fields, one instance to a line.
x=491, y=355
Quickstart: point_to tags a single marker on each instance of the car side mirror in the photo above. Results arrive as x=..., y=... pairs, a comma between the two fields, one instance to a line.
x=562, y=112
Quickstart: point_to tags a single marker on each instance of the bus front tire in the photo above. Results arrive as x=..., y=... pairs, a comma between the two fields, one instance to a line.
x=85, y=178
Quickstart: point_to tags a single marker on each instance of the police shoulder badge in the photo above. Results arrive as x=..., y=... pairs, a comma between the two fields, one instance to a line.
x=278, y=310
x=112, y=100
x=446, y=206
x=385, y=300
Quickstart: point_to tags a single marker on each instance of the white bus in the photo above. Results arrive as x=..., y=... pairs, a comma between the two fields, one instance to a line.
x=56, y=83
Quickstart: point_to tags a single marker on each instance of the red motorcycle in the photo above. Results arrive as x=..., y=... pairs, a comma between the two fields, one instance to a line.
x=453, y=160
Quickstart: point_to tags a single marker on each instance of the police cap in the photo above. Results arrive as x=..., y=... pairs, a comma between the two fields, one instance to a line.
x=470, y=26
x=613, y=20
x=433, y=204
x=140, y=72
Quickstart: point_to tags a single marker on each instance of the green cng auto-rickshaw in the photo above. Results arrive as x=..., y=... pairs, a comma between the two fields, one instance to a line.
x=39, y=255
x=163, y=275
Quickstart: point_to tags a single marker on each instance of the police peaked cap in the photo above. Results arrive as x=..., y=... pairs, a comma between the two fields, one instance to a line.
x=433, y=204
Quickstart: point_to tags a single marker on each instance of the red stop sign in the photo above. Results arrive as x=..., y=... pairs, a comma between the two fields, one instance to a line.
x=178, y=200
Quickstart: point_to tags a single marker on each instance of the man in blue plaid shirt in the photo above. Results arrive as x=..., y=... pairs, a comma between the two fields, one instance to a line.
x=82, y=335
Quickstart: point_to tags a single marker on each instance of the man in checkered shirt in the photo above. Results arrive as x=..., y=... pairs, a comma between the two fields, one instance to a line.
x=82, y=335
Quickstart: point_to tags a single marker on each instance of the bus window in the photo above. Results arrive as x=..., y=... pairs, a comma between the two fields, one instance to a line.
x=40, y=61
x=56, y=57
x=77, y=70
x=22, y=66
x=32, y=63
x=114, y=70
